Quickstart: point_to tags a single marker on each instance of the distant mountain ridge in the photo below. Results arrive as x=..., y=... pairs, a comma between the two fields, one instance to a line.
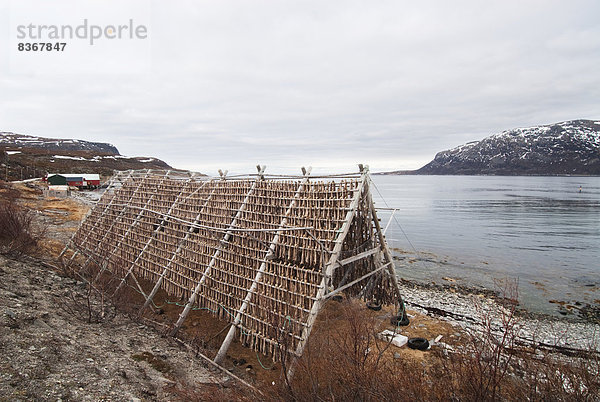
x=566, y=148
x=25, y=156
x=53, y=144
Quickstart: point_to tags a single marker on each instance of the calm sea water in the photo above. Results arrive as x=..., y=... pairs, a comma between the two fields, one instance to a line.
x=474, y=229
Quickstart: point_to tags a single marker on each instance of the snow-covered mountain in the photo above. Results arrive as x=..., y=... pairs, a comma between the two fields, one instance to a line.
x=27, y=141
x=570, y=147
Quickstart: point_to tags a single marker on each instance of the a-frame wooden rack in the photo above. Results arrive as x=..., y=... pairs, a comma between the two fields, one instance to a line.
x=263, y=252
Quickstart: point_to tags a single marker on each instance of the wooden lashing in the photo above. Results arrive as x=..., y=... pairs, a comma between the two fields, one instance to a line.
x=164, y=272
x=329, y=269
x=259, y=273
x=217, y=253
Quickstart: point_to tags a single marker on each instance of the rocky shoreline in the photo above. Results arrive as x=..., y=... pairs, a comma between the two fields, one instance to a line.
x=573, y=305
x=470, y=308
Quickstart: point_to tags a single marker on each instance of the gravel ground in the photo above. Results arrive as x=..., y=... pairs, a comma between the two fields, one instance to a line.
x=88, y=197
x=468, y=310
x=48, y=350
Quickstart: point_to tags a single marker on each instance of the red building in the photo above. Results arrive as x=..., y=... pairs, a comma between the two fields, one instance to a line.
x=81, y=180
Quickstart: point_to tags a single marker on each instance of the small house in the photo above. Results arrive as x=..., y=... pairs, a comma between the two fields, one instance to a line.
x=91, y=180
x=81, y=180
x=57, y=180
x=75, y=181
x=57, y=191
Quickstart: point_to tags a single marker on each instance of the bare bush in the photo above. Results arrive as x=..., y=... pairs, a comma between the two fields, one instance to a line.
x=488, y=356
x=17, y=230
x=83, y=305
x=89, y=304
x=349, y=363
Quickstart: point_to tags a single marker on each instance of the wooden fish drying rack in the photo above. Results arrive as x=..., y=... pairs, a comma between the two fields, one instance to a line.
x=261, y=251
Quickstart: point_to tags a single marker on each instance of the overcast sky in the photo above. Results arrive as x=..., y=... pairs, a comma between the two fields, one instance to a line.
x=229, y=84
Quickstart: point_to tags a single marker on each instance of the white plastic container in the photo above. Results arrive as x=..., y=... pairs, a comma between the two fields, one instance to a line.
x=397, y=339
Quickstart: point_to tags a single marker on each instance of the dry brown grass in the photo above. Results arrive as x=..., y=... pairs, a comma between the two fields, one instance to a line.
x=27, y=205
x=73, y=210
x=51, y=247
x=8, y=192
x=344, y=361
x=64, y=209
x=26, y=192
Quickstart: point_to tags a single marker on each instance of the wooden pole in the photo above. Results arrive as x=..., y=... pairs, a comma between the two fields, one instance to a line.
x=151, y=238
x=341, y=288
x=329, y=268
x=177, y=251
x=238, y=317
x=216, y=255
x=108, y=188
x=387, y=256
x=131, y=226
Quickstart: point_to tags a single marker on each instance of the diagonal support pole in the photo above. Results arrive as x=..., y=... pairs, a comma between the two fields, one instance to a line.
x=176, y=253
x=329, y=269
x=70, y=242
x=151, y=238
x=238, y=317
x=213, y=261
x=133, y=224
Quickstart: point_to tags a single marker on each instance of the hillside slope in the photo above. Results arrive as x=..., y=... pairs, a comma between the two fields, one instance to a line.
x=19, y=141
x=570, y=147
x=24, y=156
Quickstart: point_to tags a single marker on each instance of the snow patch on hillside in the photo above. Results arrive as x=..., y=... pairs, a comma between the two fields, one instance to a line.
x=569, y=147
x=21, y=140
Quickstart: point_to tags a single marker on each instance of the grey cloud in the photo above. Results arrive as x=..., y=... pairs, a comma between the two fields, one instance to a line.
x=328, y=83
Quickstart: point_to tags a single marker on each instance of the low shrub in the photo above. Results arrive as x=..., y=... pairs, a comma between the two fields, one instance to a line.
x=17, y=230
x=348, y=363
